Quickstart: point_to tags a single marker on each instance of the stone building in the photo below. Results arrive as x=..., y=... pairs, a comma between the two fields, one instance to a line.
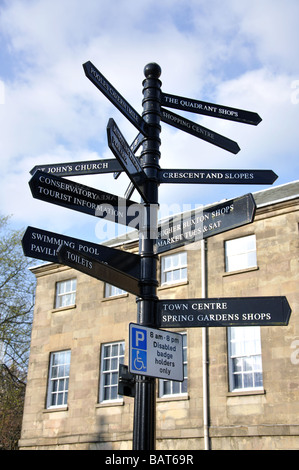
x=241, y=386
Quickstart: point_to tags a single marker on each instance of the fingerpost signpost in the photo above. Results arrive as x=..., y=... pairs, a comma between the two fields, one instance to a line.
x=138, y=273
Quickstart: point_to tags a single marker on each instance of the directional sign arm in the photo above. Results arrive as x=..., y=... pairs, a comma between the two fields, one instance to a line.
x=80, y=168
x=41, y=244
x=79, y=197
x=247, y=311
x=210, y=109
x=217, y=176
x=97, y=269
x=134, y=147
x=199, y=131
x=204, y=223
x=95, y=76
x=121, y=150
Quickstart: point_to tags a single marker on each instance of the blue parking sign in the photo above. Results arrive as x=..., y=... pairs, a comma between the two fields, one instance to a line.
x=155, y=353
x=139, y=338
x=138, y=349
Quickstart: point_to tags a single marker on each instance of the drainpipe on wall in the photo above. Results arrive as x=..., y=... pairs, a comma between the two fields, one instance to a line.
x=205, y=358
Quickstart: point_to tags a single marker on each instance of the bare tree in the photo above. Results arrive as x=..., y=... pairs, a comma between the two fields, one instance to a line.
x=17, y=287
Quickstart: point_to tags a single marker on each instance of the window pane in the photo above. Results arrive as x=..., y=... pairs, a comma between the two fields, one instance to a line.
x=237, y=365
x=258, y=379
x=176, y=387
x=166, y=388
x=121, y=349
x=113, y=393
x=106, y=393
x=185, y=386
x=114, y=378
x=183, y=274
x=167, y=262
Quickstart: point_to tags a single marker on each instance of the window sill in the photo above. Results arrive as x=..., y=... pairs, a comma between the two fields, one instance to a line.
x=244, y=393
x=115, y=297
x=53, y=410
x=175, y=284
x=241, y=271
x=61, y=309
x=106, y=404
x=183, y=396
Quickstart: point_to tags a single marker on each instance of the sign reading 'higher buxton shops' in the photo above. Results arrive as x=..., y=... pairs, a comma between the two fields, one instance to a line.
x=201, y=224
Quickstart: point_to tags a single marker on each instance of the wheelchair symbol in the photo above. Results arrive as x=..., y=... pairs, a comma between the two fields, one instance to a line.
x=139, y=360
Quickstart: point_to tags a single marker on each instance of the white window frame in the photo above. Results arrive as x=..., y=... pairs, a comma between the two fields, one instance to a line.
x=110, y=362
x=245, y=359
x=174, y=266
x=58, y=380
x=113, y=291
x=240, y=253
x=65, y=295
x=177, y=389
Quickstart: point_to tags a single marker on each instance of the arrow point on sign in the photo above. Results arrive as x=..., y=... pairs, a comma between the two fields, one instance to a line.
x=33, y=170
x=287, y=310
x=237, y=149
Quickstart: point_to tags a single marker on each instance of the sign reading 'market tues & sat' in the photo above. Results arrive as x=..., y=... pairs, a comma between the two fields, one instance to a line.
x=200, y=224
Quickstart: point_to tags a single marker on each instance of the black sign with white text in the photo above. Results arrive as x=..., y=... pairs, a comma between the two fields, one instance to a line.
x=217, y=176
x=41, y=244
x=91, y=167
x=122, y=151
x=98, y=269
x=199, y=131
x=114, y=96
x=210, y=109
x=134, y=147
x=245, y=311
x=196, y=225
x=66, y=193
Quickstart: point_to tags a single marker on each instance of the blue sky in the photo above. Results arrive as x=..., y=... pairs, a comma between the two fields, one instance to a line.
x=231, y=52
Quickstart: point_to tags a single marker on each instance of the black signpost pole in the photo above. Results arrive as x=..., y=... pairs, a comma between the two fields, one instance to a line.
x=144, y=431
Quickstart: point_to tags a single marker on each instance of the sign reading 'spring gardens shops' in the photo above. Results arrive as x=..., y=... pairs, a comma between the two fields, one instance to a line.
x=137, y=274
x=249, y=311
